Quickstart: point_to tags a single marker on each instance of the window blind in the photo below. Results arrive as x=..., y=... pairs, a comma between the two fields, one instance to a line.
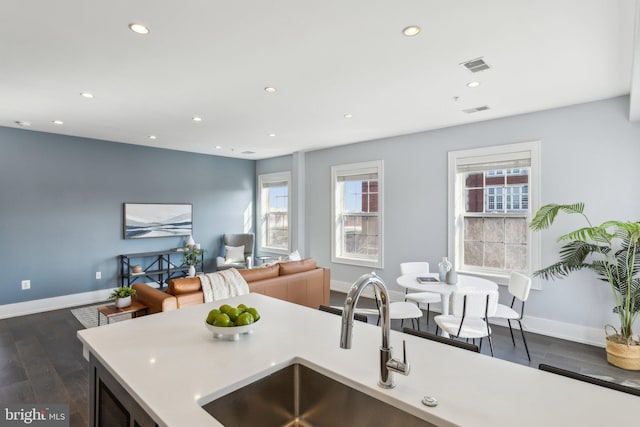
x=358, y=177
x=274, y=184
x=513, y=160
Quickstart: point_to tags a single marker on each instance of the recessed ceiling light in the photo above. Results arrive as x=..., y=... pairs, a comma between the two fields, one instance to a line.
x=473, y=84
x=139, y=29
x=218, y=147
x=272, y=134
x=153, y=137
x=87, y=95
x=22, y=123
x=410, y=31
x=196, y=119
x=270, y=89
x=58, y=122
x=348, y=116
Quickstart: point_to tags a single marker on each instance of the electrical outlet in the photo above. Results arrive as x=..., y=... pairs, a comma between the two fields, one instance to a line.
x=26, y=284
x=98, y=275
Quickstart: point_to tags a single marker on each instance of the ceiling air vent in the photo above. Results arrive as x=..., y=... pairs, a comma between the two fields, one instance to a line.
x=248, y=152
x=476, y=109
x=476, y=65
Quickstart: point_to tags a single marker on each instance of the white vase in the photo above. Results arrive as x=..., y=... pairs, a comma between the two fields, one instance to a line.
x=123, y=302
x=192, y=271
x=452, y=277
x=190, y=242
x=444, y=267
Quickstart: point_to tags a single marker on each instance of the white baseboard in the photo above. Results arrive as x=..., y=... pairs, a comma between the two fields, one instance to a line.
x=535, y=325
x=563, y=330
x=55, y=303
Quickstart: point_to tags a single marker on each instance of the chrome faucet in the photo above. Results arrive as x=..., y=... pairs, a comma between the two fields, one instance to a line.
x=388, y=365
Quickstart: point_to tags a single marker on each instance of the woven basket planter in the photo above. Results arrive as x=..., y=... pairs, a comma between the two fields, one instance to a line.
x=621, y=354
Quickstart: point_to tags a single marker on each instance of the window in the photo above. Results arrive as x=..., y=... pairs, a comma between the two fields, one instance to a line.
x=493, y=193
x=515, y=196
x=357, y=214
x=274, y=212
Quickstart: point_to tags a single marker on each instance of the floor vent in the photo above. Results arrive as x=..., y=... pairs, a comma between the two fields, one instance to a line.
x=476, y=65
x=476, y=109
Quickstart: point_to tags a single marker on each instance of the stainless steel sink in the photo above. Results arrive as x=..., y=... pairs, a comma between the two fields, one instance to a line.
x=299, y=396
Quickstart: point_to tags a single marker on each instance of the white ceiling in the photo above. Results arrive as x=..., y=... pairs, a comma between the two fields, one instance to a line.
x=213, y=59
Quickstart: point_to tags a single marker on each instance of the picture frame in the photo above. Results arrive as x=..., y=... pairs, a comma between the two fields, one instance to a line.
x=150, y=220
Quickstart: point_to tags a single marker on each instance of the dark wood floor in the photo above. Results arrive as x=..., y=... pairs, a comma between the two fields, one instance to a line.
x=41, y=362
x=41, y=358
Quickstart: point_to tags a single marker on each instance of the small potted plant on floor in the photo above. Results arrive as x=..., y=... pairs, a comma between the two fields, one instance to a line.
x=192, y=257
x=611, y=250
x=122, y=295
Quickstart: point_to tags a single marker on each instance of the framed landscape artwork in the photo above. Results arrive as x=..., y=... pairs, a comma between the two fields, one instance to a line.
x=143, y=220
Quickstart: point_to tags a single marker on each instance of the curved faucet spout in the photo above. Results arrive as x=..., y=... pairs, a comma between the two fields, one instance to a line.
x=352, y=300
x=388, y=365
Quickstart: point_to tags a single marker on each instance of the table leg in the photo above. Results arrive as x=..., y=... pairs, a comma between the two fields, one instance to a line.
x=445, y=311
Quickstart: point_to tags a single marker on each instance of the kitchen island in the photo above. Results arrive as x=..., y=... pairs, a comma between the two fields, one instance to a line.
x=171, y=365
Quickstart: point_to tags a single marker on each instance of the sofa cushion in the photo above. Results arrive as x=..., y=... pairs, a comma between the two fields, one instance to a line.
x=293, y=267
x=193, y=298
x=255, y=274
x=184, y=285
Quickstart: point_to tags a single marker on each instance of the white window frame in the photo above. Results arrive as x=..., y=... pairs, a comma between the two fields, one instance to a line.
x=376, y=166
x=456, y=203
x=263, y=205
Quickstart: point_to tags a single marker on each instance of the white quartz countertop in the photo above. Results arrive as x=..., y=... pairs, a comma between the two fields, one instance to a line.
x=171, y=364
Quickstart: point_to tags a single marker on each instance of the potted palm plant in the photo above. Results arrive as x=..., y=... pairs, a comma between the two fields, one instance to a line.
x=122, y=295
x=192, y=257
x=611, y=250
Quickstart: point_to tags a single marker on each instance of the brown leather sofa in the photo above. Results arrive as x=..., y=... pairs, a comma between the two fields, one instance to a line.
x=300, y=282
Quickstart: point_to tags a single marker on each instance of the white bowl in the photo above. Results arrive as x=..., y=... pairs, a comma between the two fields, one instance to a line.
x=231, y=333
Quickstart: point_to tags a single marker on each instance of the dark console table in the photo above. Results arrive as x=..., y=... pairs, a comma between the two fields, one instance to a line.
x=159, y=266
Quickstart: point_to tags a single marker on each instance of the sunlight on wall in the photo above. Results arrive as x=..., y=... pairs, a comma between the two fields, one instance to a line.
x=248, y=217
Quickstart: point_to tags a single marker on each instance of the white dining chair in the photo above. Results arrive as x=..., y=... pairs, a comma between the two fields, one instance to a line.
x=519, y=288
x=470, y=310
x=402, y=310
x=424, y=298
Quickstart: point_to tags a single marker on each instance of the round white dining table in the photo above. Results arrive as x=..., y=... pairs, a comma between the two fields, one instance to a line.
x=410, y=281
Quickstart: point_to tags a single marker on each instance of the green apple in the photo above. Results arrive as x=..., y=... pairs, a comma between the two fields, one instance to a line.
x=222, y=320
x=244, y=319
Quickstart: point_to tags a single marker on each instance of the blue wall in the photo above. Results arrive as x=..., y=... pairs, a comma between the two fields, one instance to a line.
x=61, y=207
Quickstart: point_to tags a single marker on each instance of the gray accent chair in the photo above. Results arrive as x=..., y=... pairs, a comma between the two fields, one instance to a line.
x=243, y=239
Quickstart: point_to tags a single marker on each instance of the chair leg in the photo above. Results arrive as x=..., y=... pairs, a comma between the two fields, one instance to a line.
x=489, y=336
x=480, y=346
x=511, y=330
x=402, y=324
x=524, y=340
